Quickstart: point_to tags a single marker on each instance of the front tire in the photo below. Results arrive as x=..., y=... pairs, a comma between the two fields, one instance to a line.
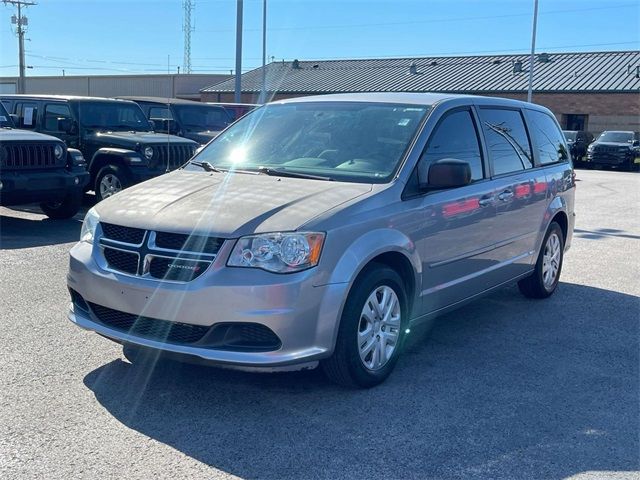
x=372, y=330
x=65, y=209
x=544, y=279
x=109, y=181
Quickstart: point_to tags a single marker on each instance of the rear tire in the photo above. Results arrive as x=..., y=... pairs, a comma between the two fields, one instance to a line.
x=65, y=209
x=110, y=180
x=372, y=330
x=544, y=279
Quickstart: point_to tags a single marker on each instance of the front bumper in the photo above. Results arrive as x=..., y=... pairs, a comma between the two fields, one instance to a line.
x=303, y=316
x=24, y=186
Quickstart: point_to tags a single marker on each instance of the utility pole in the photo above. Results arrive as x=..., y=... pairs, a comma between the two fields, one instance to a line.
x=188, y=6
x=20, y=22
x=238, y=84
x=533, y=49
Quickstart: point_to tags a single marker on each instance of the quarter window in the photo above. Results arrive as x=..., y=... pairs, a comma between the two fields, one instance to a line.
x=53, y=113
x=548, y=138
x=507, y=140
x=455, y=137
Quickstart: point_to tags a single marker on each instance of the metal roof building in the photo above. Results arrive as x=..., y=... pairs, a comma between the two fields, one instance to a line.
x=592, y=90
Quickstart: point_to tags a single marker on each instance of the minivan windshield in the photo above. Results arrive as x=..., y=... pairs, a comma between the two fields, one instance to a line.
x=616, y=137
x=5, y=119
x=344, y=141
x=115, y=115
x=202, y=117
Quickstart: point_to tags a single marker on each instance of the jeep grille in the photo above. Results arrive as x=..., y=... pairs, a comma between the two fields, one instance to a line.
x=174, y=155
x=30, y=156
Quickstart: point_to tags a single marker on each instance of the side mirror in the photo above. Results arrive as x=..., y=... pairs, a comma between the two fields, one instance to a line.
x=152, y=125
x=445, y=173
x=636, y=143
x=15, y=118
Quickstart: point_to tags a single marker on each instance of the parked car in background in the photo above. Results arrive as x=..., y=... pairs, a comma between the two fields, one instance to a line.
x=39, y=168
x=114, y=136
x=619, y=149
x=193, y=120
x=323, y=229
x=578, y=141
x=236, y=110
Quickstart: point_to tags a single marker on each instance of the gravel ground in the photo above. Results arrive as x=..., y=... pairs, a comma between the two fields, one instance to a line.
x=505, y=388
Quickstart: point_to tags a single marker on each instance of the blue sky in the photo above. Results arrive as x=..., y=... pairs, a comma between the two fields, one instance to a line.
x=138, y=36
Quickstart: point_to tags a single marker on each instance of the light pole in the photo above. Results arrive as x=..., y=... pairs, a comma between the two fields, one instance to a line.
x=263, y=95
x=238, y=86
x=533, y=49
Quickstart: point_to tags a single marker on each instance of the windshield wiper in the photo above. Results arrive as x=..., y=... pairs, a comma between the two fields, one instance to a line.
x=276, y=172
x=208, y=167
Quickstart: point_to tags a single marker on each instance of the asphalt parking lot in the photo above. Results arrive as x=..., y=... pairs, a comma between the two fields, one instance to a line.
x=505, y=388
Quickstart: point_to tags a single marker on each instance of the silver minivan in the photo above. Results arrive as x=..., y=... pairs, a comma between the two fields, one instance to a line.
x=322, y=229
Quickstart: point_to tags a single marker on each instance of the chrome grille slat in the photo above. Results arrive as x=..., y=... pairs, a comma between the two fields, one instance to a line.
x=186, y=261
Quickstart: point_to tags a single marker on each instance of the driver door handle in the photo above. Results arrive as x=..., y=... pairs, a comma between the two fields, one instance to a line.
x=486, y=201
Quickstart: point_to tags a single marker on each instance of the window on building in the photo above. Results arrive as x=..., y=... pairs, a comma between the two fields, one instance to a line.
x=455, y=137
x=507, y=140
x=574, y=121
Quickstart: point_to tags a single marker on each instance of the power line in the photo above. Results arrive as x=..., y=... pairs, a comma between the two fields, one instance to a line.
x=433, y=20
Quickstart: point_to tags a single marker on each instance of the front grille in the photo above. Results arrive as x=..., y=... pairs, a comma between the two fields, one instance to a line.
x=30, y=156
x=174, y=155
x=121, y=260
x=176, y=269
x=123, y=234
x=192, y=243
x=168, y=256
x=151, y=328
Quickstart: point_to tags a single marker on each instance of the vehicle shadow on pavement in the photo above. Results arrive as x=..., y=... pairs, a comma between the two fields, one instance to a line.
x=19, y=232
x=504, y=388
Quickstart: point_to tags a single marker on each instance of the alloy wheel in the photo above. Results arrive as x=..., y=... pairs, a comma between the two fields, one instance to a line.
x=109, y=185
x=379, y=327
x=551, y=260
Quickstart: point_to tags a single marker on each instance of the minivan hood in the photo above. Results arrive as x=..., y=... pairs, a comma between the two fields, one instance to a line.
x=225, y=205
x=127, y=139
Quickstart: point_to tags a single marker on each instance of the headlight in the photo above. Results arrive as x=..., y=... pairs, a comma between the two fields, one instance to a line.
x=590, y=148
x=278, y=252
x=148, y=153
x=89, y=226
x=58, y=151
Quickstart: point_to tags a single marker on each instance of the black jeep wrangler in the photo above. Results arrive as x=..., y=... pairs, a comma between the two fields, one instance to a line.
x=197, y=121
x=39, y=168
x=114, y=136
x=615, y=149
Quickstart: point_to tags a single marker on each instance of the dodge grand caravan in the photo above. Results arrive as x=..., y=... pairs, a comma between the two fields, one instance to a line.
x=322, y=229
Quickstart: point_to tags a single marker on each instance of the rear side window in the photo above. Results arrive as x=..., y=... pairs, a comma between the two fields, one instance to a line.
x=507, y=140
x=548, y=138
x=160, y=113
x=27, y=114
x=455, y=137
x=53, y=113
